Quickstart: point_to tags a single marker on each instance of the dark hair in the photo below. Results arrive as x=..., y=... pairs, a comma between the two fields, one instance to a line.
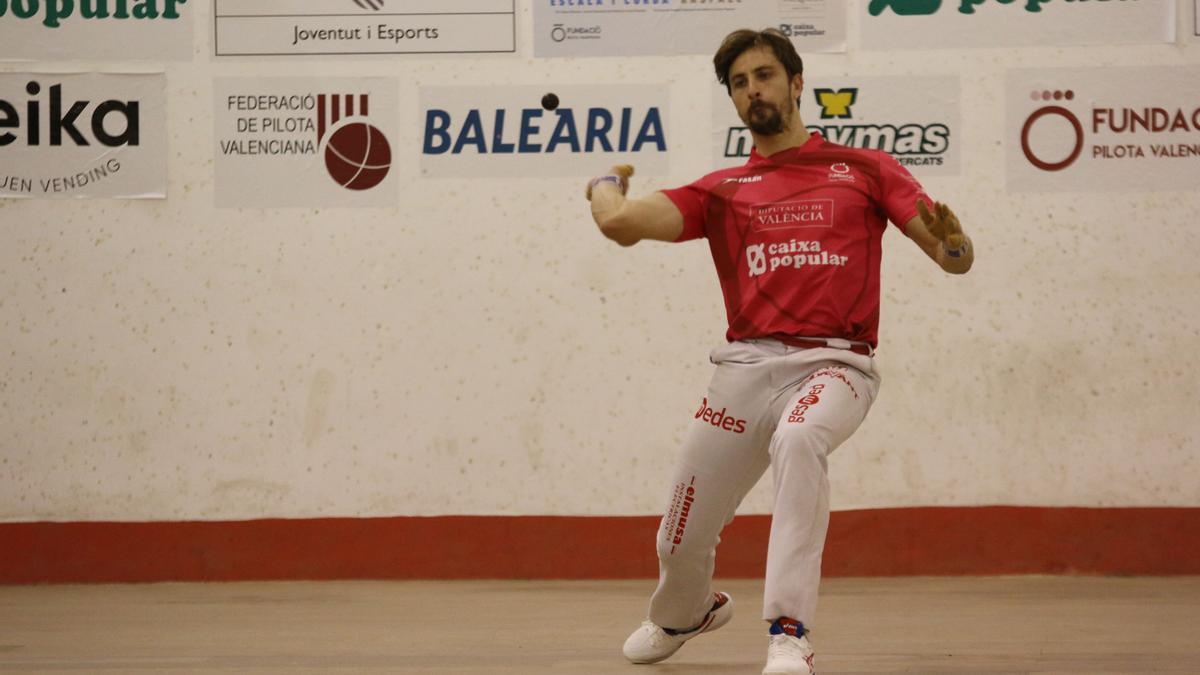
x=740, y=41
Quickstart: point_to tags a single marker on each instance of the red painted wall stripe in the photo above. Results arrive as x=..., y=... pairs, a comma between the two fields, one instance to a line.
x=878, y=542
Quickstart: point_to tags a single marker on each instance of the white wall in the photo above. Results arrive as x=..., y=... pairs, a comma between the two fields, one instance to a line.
x=483, y=350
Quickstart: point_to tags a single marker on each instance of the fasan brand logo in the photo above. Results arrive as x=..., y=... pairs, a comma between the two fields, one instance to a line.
x=53, y=12
x=926, y=7
x=744, y=179
x=112, y=123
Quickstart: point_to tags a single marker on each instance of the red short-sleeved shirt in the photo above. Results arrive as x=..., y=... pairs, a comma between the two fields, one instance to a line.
x=796, y=237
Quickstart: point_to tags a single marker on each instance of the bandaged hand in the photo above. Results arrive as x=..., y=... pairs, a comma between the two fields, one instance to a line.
x=619, y=176
x=943, y=225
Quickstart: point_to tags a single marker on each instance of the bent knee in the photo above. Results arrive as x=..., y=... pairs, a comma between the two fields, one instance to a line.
x=682, y=545
x=808, y=436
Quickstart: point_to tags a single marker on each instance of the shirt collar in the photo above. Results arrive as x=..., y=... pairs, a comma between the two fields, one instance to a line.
x=814, y=139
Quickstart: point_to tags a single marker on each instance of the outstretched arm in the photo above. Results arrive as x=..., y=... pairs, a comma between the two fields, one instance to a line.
x=940, y=235
x=628, y=221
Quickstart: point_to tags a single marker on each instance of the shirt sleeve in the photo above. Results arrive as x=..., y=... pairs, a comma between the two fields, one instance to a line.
x=900, y=191
x=692, y=202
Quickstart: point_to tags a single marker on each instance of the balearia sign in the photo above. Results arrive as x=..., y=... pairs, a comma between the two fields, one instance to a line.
x=68, y=29
x=889, y=24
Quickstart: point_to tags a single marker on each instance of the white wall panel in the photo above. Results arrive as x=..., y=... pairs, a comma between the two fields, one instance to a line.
x=481, y=349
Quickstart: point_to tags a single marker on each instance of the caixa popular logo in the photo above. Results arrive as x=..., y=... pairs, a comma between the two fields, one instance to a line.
x=525, y=131
x=53, y=12
x=1054, y=138
x=67, y=122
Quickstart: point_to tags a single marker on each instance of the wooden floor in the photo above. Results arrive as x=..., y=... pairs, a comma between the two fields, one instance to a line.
x=908, y=625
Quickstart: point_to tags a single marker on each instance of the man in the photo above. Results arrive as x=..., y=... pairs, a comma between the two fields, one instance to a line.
x=796, y=237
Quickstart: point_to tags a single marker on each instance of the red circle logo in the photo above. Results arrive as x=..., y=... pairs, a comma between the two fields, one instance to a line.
x=358, y=156
x=1075, y=151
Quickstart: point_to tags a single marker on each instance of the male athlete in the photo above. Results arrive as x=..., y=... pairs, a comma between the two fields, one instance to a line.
x=796, y=237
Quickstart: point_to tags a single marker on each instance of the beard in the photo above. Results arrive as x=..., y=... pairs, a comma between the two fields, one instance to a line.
x=764, y=119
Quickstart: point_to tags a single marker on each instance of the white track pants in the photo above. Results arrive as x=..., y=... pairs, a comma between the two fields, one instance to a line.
x=768, y=405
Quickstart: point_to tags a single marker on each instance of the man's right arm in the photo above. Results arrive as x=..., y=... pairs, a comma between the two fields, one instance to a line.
x=628, y=221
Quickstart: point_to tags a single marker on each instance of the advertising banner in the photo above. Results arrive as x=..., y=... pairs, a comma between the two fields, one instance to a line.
x=670, y=27
x=83, y=135
x=915, y=119
x=112, y=30
x=512, y=132
x=305, y=142
x=1103, y=129
x=953, y=24
x=331, y=27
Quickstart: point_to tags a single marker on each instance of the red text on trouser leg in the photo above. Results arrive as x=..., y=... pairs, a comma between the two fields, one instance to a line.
x=720, y=418
x=677, y=515
x=806, y=403
x=837, y=373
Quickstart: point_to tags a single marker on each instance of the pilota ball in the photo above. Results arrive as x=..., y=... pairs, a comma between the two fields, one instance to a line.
x=550, y=101
x=358, y=156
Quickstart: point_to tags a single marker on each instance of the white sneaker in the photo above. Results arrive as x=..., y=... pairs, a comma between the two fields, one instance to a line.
x=787, y=655
x=651, y=644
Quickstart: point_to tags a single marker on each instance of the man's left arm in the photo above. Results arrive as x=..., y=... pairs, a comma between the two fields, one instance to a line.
x=940, y=236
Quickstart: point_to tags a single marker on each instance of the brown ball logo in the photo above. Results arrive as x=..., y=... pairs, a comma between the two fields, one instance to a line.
x=358, y=156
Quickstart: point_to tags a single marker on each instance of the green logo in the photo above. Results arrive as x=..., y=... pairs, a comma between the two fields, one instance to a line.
x=927, y=7
x=53, y=11
x=905, y=7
